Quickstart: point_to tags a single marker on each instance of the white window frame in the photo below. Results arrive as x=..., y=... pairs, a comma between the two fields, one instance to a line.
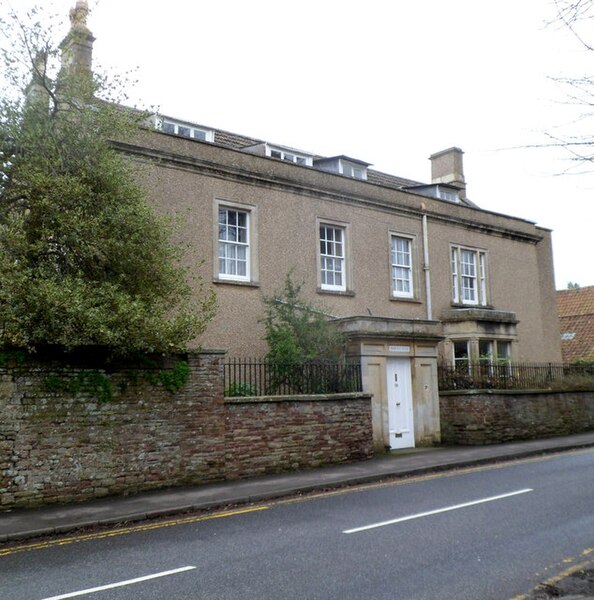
x=455, y=277
x=461, y=362
x=499, y=357
x=447, y=195
x=482, y=275
x=332, y=256
x=469, y=277
x=401, y=267
x=488, y=356
x=495, y=358
x=352, y=170
x=503, y=360
x=289, y=156
x=248, y=242
x=196, y=133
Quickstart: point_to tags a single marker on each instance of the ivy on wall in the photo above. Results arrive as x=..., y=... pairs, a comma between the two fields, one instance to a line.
x=100, y=385
x=12, y=357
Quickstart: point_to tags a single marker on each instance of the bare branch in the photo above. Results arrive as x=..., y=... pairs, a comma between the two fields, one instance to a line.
x=571, y=13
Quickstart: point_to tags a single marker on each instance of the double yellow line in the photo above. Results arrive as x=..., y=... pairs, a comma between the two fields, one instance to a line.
x=125, y=531
x=306, y=497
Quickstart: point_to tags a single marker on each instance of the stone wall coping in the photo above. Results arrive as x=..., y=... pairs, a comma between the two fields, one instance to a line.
x=207, y=351
x=491, y=392
x=298, y=398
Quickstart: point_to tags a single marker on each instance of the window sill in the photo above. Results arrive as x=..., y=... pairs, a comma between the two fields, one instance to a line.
x=404, y=299
x=475, y=306
x=347, y=293
x=250, y=284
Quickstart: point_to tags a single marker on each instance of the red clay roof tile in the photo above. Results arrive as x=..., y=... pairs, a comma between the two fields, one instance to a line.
x=576, y=319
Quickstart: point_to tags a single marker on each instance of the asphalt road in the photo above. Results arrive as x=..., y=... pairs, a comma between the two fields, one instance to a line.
x=489, y=533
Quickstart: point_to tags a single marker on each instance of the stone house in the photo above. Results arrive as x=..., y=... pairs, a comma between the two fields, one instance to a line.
x=576, y=319
x=412, y=272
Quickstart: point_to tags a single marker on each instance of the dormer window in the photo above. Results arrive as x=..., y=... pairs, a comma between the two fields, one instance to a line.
x=296, y=157
x=349, y=167
x=447, y=194
x=186, y=130
x=289, y=156
x=440, y=191
x=353, y=171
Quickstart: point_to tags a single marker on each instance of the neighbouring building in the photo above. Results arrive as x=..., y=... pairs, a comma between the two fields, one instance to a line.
x=576, y=319
x=412, y=272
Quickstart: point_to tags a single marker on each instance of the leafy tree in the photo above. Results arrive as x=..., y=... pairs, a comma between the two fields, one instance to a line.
x=83, y=258
x=297, y=331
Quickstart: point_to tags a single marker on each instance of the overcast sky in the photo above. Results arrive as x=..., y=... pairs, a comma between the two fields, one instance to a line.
x=388, y=82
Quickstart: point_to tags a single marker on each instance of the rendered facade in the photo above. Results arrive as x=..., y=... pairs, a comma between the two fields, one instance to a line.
x=409, y=277
x=412, y=272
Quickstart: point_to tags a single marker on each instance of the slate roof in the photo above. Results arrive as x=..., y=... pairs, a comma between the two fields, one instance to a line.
x=391, y=181
x=239, y=142
x=576, y=319
x=235, y=141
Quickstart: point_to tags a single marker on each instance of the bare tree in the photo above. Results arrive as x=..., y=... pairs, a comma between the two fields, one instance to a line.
x=577, y=16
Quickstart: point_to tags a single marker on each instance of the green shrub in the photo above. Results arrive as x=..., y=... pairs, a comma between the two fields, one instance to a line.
x=9, y=357
x=84, y=258
x=96, y=383
x=296, y=330
x=241, y=390
x=173, y=380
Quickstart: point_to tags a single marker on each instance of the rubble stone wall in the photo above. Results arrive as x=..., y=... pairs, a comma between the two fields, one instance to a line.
x=266, y=435
x=481, y=417
x=61, y=442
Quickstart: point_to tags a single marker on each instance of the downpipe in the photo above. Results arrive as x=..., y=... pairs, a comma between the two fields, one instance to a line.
x=426, y=269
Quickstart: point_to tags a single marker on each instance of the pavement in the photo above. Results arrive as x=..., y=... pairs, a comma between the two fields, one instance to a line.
x=21, y=524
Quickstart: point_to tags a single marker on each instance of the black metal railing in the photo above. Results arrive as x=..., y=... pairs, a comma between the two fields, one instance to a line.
x=465, y=375
x=259, y=377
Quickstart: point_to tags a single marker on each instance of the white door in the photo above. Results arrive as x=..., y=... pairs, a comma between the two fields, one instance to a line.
x=400, y=408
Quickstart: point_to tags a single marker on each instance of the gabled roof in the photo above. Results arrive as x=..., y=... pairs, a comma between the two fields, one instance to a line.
x=576, y=318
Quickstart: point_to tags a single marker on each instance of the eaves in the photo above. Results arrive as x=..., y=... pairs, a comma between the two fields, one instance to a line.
x=226, y=172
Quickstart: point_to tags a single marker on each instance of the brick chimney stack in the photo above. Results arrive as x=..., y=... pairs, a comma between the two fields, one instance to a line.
x=447, y=167
x=77, y=46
